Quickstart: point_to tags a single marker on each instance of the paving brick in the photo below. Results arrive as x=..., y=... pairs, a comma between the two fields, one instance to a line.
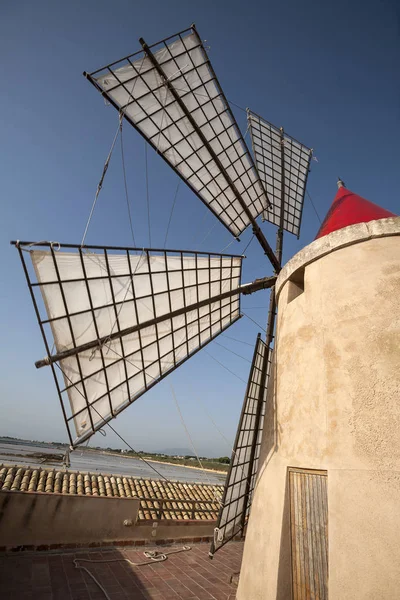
x=62, y=594
x=37, y=595
x=80, y=594
x=153, y=595
x=185, y=576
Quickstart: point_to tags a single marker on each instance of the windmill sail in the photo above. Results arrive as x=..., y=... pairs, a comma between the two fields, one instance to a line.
x=170, y=94
x=242, y=474
x=121, y=321
x=281, y=161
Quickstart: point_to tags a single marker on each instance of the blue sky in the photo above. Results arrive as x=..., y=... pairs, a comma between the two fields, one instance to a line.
x=326, y=71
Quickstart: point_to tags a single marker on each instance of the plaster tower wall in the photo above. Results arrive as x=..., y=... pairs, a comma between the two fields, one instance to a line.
x=334, y=405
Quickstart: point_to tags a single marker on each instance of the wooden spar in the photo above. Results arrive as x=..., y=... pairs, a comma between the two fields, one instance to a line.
x=267, y=353
x=249, y=288
x=213, y=548
x=256, y=228
x=279, y=233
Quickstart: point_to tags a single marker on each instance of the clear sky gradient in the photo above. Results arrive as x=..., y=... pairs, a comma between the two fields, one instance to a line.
x=326, y=71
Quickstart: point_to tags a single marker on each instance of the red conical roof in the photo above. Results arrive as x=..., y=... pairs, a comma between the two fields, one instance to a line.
x=349, y=209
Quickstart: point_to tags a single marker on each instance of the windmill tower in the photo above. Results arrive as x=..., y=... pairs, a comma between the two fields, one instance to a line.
x=325, y=514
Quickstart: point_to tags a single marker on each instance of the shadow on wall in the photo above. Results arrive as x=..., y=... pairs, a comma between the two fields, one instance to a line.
x=269, y=444
x=284, y=585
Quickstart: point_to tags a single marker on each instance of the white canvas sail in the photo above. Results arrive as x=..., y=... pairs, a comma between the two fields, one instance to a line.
x=137, y=89
x=239, y=485
x=95, y=296
x=289, y=170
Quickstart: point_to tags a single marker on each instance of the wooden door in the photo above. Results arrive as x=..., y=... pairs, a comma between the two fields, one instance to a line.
x=309, y=533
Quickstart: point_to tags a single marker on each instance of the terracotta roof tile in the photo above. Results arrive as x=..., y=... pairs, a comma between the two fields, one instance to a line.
x=9, y=478
x=176, y=500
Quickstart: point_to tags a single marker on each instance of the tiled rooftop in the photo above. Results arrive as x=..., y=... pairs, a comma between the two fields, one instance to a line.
x=182, y=501
x=188, y=575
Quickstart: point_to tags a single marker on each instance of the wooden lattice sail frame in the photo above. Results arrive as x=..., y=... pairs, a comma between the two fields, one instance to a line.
x=122, y=319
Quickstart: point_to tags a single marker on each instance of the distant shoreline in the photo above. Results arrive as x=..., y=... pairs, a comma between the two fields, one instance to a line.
x=163, y=462
x=99, y=452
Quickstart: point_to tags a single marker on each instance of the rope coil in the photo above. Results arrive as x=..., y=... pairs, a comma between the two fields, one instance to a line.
x=153, y=556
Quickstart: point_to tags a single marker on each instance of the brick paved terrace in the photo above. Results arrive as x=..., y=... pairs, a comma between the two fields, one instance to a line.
x=189, y=575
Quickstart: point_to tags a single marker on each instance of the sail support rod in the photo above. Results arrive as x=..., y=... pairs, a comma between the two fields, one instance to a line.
x=279, y=235
x=256, y=228
x=266, y=247
x=44, y=244
x=249, y=288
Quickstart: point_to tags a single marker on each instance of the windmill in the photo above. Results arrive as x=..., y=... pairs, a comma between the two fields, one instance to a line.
x=116, y=320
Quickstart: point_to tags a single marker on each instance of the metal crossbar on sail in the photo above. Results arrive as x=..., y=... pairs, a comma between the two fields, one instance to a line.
x=240, y=482
x=283, y=164
x=170, y=94
x=123, y=319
